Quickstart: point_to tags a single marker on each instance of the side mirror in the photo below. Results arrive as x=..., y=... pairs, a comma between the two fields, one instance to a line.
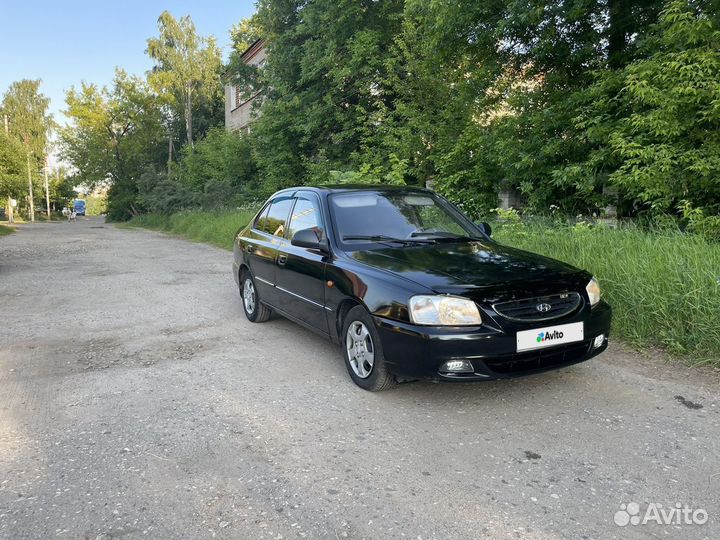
x=309, y=238
x=485, y=227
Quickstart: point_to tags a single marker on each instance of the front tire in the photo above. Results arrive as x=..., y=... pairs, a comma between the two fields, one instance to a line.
x=363, y=353
x=254, y=309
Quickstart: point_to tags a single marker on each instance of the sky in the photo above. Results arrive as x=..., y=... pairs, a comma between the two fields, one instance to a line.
x=66, y=42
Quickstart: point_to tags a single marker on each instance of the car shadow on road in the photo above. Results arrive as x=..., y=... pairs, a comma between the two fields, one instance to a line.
x=571, y=381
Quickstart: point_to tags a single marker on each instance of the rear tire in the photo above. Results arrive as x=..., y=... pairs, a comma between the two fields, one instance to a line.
x=363, y=352
x=253, y=307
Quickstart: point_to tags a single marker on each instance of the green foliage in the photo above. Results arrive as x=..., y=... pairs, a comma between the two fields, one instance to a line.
x=123, y=202
x=244, y=33
x=61, y=186
x=114, y=136
x=365, y=174
x=28, y=119
x=12, y=168
x=559, y=101
x=325, y=86
x=187, y=68
x=221, y=168
x=484, y=88
x=5, y=230
x=29, y=125
x=158, y=192
x=668, y=144
x=511, y=223
x=95, y=205
x=218, y=172
x=126, y=136
x=217, y=228
x=664, y=286
x=698, y=223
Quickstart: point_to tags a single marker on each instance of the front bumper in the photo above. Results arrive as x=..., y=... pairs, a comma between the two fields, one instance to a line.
x=418, y=352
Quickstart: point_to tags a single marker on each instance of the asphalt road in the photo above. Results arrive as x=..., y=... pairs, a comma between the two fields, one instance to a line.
x=136, y=401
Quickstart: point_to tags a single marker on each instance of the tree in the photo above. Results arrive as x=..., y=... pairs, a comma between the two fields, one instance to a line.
x=114, y=136
x=220, y=168
x=245, y=77
x=668, y=142
x=61, y=187
x=244, y=33
x=12, y=167
x=488, y=91
x=187, y=68
x=325, y=85
x=29, y=122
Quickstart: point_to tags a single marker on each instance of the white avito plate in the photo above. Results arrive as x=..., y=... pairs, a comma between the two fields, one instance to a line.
x=548, y=336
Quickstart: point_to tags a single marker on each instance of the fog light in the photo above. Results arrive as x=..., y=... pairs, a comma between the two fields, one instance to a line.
x=457, y=366
x=599, y=341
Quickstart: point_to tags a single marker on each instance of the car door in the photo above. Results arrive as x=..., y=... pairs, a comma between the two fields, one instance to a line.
x=261, y=248
x=301, y=272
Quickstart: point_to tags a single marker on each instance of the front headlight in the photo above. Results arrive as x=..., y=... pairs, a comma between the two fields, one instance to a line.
x=444, y=310
x=593, y=291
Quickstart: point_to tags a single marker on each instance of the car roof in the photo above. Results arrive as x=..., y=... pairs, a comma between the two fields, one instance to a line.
x=339, y=188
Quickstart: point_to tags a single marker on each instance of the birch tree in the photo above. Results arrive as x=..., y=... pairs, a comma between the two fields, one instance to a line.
x=187, y=67
x=30, y=123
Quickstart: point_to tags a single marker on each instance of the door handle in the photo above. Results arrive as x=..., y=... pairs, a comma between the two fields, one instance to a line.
x=250, y=248
x=282, y=259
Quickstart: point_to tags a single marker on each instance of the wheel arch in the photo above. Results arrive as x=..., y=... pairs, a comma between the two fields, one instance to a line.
x=342, y=310
x=241, y=272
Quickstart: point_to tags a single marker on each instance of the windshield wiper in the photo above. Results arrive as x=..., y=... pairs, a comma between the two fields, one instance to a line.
x=444, y=235
x=384, y=238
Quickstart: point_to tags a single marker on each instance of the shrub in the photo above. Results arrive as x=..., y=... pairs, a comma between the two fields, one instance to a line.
x=698, y=223
x=162, y=194
x=220, y=169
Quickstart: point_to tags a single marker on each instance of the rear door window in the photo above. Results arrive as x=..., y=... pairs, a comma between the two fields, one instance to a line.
x=262, y=216
x=275, y=221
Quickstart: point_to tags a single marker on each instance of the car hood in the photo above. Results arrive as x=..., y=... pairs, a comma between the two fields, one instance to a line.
x=476, y=268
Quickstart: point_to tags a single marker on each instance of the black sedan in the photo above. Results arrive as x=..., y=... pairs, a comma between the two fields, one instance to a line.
x=411, y=288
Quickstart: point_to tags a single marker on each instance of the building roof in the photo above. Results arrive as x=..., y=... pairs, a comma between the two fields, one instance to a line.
x=254, y=48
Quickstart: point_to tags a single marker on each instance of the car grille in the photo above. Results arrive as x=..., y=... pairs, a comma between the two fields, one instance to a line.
x=530, y=361
x=541, y=308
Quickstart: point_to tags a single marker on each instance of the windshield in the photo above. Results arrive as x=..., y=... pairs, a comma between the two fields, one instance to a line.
x=363, y=217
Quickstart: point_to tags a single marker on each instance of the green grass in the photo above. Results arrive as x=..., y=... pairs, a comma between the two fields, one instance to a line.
x=664, y=287
x=217, y=228
x=5, y=230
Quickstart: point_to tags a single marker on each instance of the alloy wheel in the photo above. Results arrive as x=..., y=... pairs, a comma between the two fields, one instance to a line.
x=249, y=296
x=360, y=349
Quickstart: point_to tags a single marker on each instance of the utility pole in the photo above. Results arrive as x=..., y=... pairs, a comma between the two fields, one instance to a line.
x=11, y=217
x=170, y=152
x=30, y=197
x=47, y=188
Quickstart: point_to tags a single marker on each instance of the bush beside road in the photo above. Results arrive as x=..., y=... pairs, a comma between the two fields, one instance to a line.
x=212, y=227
